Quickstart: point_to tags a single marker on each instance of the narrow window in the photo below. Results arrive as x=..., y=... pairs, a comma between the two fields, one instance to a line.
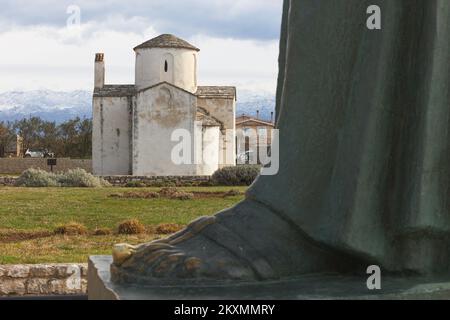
x=166, y=66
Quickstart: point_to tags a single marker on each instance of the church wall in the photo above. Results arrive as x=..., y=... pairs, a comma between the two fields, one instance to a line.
x=111, y=135
x=210, y=150
x=225, y=111
x=159, y=111
x=182, y=67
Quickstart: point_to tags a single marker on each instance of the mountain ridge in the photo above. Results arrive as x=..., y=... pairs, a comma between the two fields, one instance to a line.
x=60, y=106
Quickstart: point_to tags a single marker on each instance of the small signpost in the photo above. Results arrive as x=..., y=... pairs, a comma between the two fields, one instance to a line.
x=51, y=163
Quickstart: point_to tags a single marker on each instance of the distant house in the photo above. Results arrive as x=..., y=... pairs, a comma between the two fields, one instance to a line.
x=252, y=135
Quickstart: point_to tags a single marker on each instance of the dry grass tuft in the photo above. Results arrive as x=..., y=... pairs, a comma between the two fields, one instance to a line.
x=71, y=229
x=132, y=226
x=167, y=192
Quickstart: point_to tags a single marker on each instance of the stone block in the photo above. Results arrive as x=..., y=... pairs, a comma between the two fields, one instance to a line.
x=18, y=271
x=36, y=286
x=58, y=286
x=12, y=287
x=42, y=271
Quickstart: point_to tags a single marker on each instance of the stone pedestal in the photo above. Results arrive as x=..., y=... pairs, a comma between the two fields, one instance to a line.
x=303, y=288
x=43, y=279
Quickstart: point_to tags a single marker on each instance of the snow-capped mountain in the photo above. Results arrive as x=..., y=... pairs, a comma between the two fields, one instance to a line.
x=249, y=102
x=49, y=105
x=60, y=106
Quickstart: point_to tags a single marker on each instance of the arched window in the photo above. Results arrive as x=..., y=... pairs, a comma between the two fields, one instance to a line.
x=167, y=68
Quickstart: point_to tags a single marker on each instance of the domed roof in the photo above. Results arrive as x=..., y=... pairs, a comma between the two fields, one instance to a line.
x=167, y=41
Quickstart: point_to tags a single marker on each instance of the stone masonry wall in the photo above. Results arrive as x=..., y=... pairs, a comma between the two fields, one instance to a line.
x=18, y=165
x=122, y=181
x=162, y=181
x=43, y=279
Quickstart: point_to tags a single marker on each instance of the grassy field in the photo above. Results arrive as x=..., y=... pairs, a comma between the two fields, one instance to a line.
x=29, y=216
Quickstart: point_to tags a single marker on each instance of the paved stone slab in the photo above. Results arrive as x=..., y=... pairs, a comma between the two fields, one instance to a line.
x=304, y=288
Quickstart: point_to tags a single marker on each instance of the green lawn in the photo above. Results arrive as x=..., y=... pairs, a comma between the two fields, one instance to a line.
x=28, y=211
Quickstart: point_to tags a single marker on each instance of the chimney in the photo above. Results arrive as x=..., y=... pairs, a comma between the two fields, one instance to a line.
x=271, y=117
x=257, y=114
x=99, y=72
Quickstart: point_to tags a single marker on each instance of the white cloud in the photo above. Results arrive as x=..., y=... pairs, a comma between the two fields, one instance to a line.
x=38, y=57
x=248, y=64
x=243, y=19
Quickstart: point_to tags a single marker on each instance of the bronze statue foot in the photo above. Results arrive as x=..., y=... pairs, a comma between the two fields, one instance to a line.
x=248, y=242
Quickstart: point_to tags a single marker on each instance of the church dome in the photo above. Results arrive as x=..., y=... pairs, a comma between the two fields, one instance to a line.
x=166, y=58
x=167, y=41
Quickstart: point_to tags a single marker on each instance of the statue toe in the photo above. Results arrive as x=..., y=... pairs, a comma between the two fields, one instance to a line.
x=122, y=252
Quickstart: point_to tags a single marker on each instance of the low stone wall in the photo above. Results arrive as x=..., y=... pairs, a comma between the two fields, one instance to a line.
x=18, y=165
x=43, y=279
x=122, y=181
x=163, y=181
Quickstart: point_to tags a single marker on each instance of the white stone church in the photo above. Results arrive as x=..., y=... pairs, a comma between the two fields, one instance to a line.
x=133, y=125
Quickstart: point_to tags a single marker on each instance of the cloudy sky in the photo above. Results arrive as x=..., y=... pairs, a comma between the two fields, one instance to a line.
x=43, y=47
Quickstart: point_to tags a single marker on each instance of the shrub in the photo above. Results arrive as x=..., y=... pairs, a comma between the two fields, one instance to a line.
x=80, y=178
x=206, y=184
x=36, y=178
x=169, y=184
x=71, y=229
x=135, y=184
x=242, y=175
x=72, y=178
x=132, y=226
x=168, y=228
x=102, y=232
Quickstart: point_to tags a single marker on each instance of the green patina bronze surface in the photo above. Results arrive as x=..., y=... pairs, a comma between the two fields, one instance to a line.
x=364, y=156
x=364, y=124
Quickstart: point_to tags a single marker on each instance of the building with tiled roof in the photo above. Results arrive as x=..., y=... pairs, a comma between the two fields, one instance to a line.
x=136, y=126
